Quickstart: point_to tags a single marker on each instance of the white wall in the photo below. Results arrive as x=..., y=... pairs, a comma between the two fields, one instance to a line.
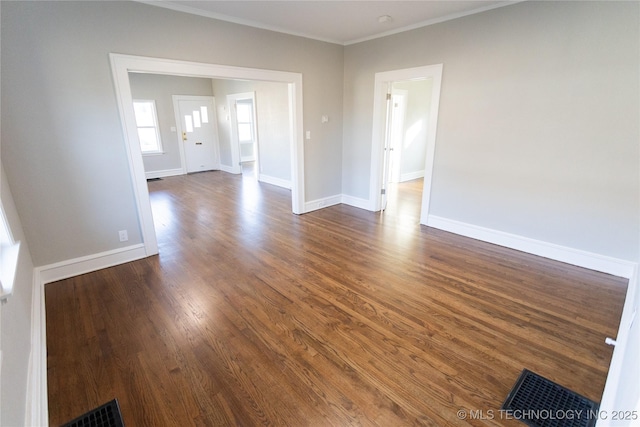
x=538, y=124
x=272, y=114
x=63, y=146
x=15, y=318
x=161, y=88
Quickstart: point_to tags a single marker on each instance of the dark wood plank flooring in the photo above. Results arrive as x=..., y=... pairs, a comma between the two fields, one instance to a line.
x=251, y=315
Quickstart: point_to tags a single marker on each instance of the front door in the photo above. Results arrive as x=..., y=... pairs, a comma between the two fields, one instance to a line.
x=198, y=132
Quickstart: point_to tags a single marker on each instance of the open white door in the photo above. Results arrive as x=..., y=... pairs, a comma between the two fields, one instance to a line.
x=394, y=136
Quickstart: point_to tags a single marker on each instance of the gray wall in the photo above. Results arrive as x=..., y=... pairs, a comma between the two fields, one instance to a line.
x=63, y=146
x=537, y=136
x=15, y=321
x=272, y=115
x=161, y=88
x=538, y=128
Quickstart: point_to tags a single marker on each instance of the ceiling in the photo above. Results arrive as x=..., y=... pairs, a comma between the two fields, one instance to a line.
x=335, y=21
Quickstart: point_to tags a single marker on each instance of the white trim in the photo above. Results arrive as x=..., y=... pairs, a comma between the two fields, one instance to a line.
x=37, y=411
x=357, y=202
x=122, y=65
x=236, y=158
x=597, y=262
x=296, y=144
x=410, y=176
x=87, y=264
x=37, y=405
x=325, y=202
x=219, y=16
x=229, y=169
x=397, y=115
x=434, y=21
x=284, y=183
x=163, y=173
x=120, y=70
x=241, y=21
x=608, y=404
x=382, y=83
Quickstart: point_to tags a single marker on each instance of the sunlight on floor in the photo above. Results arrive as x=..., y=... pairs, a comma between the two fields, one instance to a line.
x=404, y=201
x=163, y=213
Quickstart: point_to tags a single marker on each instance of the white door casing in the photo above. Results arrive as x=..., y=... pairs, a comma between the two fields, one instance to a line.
x=382, y=84
x=394, y=137
x=247, y=129
x=197, y=132
x=122, y=65
x=236, y=155
x=399, y=105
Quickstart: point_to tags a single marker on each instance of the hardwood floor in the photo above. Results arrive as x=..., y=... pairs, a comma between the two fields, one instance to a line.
x=251, y=315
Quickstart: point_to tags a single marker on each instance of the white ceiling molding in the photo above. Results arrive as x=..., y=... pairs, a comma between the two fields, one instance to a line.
x=335, y=21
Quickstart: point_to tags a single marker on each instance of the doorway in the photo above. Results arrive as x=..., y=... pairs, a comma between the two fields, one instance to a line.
x=386, y=131
x=244, y=130
x=122, y=65
x=396, y=134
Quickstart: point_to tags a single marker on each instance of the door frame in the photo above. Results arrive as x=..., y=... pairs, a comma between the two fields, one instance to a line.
x=122, y=65
x=236, y=155
x=382, y=87
x=214, y=118
x=396, y=156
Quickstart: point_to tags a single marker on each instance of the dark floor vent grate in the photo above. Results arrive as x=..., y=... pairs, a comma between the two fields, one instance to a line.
x=538, y=402
x=107, y=415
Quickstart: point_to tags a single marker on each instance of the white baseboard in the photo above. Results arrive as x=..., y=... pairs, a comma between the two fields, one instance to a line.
x=86, y=264
x=37, y=410
x=164, y=173
x=609, y=403
x=410, y=176
x=230, y=169
x=284, y=183
x=357, y=202
x=325, y=202
x=592, y=261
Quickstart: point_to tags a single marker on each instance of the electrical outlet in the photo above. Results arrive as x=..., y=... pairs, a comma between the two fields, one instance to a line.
x=123, y=235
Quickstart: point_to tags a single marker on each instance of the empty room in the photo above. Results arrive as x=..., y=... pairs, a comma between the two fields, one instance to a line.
x=312, y=213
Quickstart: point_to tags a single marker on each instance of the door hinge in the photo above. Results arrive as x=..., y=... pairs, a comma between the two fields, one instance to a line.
x=383, y=191
x=388, y=97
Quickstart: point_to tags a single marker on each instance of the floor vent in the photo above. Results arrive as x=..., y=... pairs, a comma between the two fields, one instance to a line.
x=107, y=415
x=538, y=402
